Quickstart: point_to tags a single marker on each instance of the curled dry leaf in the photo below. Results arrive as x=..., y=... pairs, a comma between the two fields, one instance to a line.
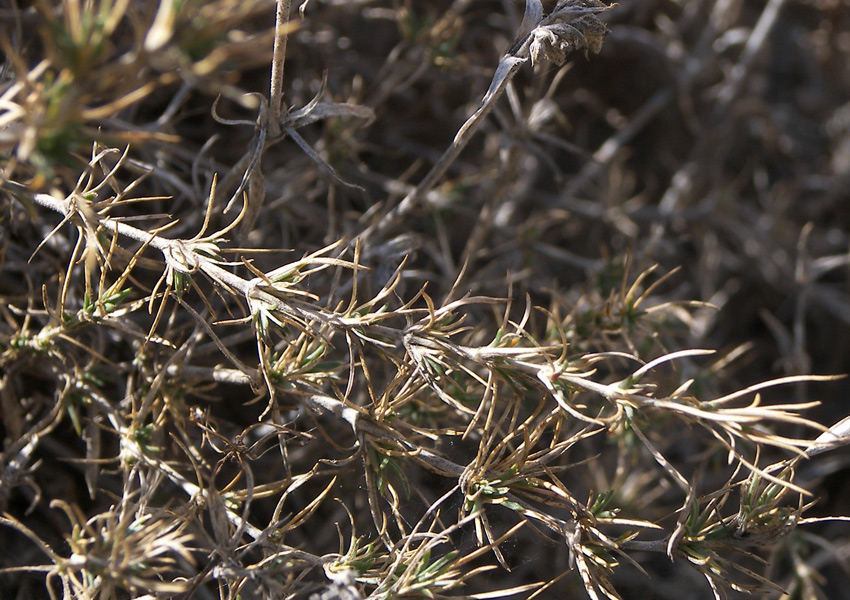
x=835, y=437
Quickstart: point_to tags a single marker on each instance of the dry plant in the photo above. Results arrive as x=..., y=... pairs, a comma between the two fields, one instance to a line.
x=416, y=401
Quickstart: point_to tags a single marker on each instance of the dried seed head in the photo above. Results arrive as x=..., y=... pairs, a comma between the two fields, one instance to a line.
x=573, y=25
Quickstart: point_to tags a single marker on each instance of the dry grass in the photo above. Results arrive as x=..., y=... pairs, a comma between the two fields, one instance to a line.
x=414, y=299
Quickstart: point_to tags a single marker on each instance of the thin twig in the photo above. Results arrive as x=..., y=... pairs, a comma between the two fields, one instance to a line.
x=281, y=35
